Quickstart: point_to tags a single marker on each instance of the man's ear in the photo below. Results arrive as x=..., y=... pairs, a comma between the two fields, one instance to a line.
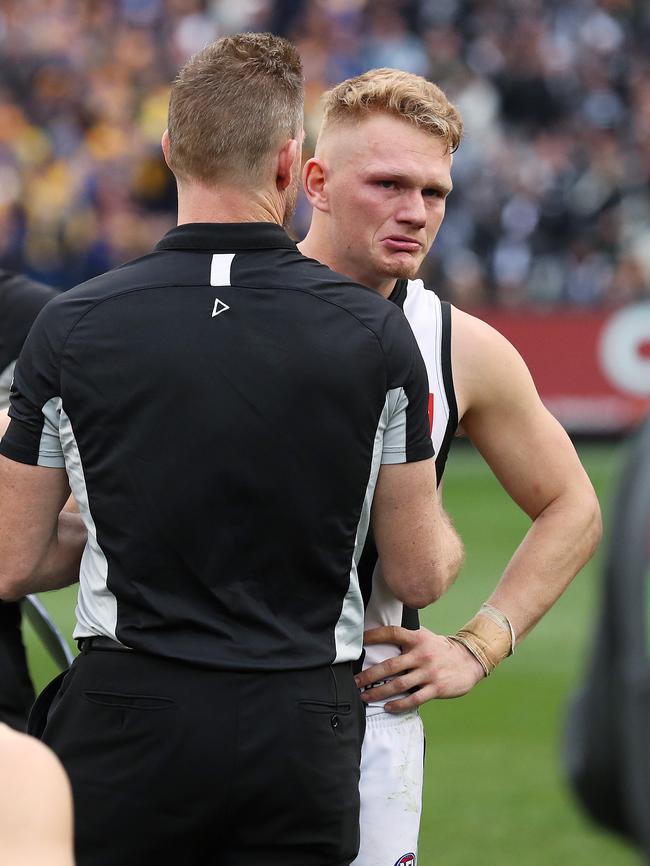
x=288, y=162
x=165, y=147
x=314, y=176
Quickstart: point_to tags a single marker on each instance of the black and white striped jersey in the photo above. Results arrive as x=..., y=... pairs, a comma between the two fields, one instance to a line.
x=222, y=407
x=430, y=320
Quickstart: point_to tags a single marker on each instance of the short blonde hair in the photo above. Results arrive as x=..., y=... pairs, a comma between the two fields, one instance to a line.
x=401, y=94
x=231, y=104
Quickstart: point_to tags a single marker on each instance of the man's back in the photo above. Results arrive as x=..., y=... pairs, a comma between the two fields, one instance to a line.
x=294, y=374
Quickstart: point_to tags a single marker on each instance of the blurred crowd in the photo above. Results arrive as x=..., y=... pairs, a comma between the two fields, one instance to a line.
x=550, y=204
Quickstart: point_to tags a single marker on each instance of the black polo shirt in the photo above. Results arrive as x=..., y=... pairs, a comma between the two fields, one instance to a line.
x=222, y=406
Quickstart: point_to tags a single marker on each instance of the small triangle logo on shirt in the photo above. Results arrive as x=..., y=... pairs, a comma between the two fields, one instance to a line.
x=219, y=307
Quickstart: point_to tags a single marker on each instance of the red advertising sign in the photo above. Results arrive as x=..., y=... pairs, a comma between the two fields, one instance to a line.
x=592, y=369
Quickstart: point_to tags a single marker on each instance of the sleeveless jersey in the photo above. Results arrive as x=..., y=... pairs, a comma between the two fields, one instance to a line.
x=430, y=320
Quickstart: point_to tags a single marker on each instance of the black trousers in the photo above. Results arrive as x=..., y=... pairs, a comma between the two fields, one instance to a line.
x=16, y=690
x=172, y=764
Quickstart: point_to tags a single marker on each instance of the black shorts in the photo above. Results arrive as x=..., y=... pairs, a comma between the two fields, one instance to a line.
x=16, y=690
x=172, y=764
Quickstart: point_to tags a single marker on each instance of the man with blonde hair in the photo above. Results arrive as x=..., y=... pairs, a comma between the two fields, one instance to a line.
x=225, y=413
x=378, y=184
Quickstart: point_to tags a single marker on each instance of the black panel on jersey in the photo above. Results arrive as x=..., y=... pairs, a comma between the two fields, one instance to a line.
x=398, y=295
x=366, y=567
x=447, y=378
x=21, y=300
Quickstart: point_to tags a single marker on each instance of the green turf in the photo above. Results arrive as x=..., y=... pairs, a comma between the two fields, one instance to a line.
x=495, y=792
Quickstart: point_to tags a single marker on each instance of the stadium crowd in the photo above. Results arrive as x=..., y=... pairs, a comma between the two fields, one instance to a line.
x=550, y=204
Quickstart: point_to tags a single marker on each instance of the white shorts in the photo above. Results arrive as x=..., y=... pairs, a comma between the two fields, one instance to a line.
x=392, y=774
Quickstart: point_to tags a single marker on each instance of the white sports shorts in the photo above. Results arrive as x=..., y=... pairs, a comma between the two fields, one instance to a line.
x=392, y=775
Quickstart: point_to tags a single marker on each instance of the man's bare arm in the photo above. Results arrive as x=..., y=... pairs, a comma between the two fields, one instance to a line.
x=40, y=548
x=534, y=460
x=418, y=547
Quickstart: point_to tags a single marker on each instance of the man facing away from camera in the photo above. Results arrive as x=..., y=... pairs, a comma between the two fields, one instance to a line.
x=378, y=184
x=224, y=412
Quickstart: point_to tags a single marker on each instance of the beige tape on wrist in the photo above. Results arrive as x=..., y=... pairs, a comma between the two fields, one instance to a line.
x=489, y=636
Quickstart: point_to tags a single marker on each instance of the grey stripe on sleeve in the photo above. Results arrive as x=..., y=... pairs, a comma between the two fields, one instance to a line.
x=394, y=448
x=50, y=452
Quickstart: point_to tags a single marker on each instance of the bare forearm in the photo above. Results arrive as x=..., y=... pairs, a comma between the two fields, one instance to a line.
x=452, y=552
x=558, y=544
x=57, y=567
x=418, y=547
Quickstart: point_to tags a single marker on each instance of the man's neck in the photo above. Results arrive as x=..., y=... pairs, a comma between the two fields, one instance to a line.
x=227, y=204
x=316, y=246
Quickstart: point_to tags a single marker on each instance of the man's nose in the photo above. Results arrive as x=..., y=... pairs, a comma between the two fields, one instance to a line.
x=412, y=209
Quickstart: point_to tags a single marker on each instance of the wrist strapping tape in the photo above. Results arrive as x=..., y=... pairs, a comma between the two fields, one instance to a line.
x=489, y=636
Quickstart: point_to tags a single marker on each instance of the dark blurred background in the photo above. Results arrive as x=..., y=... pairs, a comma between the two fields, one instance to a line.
x=550, y=209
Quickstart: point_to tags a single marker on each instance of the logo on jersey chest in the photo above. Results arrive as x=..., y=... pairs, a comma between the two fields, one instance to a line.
x=407, y=859
x=430, y=411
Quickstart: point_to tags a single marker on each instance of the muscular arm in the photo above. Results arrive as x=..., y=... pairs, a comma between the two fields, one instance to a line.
x=40, y=548
x=534, y=460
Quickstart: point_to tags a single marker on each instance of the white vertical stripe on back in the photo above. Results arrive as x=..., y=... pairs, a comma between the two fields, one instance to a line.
x=220, y=269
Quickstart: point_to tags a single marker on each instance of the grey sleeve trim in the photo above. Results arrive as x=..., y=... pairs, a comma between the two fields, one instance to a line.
x=50, y=452
x=394, y=448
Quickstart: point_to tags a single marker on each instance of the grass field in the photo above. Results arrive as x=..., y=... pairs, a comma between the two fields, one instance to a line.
x=495, y=793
